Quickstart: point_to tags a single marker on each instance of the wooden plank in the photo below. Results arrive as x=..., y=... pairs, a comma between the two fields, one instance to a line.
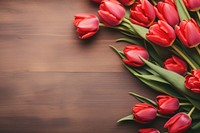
x=39, y=36
x=67, y=102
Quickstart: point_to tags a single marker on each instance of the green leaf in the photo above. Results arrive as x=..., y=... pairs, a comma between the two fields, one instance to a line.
x=160, y=87
x=143, y=99
x=173, y=78
x=196, y=127
x=182, y=11
x=126, y=118
x=195, y=116
x=154, y=55
x=141, y=31
x=127, y=34
x=132, y=41
x=150, y=70
x=195, y=102
x=153, y=78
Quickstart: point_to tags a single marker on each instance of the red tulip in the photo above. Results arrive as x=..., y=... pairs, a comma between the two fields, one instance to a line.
x=175, y=64
x=127, y=2
x=188, y=32
x=111, y=12
x=192, y=5
x=148, y=130
x=144, y=113
x=161, y=34
x=167, y=104
x=132, y=53
x=179, y=123
x=87, y=25
x=192, y=81
x=167, y=12
x=142, y=13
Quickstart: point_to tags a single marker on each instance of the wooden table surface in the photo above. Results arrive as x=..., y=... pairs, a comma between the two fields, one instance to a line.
x=53, y=82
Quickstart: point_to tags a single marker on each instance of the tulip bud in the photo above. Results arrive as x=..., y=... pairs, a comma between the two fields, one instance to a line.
x=127, y=2
x=132, y=53
x=161, y=34
x=144, y=113
x=175, y=64
x=148, y=130
x=167, y=104
x=179, y=123
x=142, y=13
x=189, y=33
x=192, y=5
x=111, y=12
x=167, y=12
x=87, y=25
x=192, y=81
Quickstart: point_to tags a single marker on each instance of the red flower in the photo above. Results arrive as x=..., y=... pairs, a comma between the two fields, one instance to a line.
x=192, y=82
x=192, y=5
x=188, y=32
x=127, y=2
x=148, y=130
x=167, y=104
x=167, y=12
x=132, y=53
x=179, y=123
x=161, y=34
x=175, y=64
x=111, y=12
x=142, y=13
x=144, y=113
x=87, y=25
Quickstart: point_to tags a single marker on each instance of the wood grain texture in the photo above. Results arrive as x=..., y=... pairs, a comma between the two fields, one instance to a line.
x=53, y=82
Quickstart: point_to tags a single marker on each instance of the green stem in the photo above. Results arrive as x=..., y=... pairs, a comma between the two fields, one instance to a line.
x=116, y=27
x=154, y=2
x=183, y=56
x=198, y=50
x=185, y=104
x=118, y=52
x=198, y=14
x=191, y=111
x=129, y=22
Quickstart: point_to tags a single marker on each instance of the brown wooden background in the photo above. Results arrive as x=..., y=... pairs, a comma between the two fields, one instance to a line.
x=53, y=82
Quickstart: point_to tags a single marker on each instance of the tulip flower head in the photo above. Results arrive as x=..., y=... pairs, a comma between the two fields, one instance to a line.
x=142, y=13
x=179, y=123
x=127, y=2
x=167, y=12
x=161, y=34
x=132, y=53
x=192, y=5
x=111, y=12
x=144, y=113
x=87, y=25
x=167, y=104
x=148, y=130
x=192, y=81
x=188, y=32
x=175, y=64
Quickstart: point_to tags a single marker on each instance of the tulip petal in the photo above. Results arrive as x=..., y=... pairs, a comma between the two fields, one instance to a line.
x=158, y=40
x=116, y=10
x=181, y=36
x=192, y=34
x=172, y=18
x=108, y=18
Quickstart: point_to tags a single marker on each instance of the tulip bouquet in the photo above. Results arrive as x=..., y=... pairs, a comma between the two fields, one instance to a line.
x=163, y=52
